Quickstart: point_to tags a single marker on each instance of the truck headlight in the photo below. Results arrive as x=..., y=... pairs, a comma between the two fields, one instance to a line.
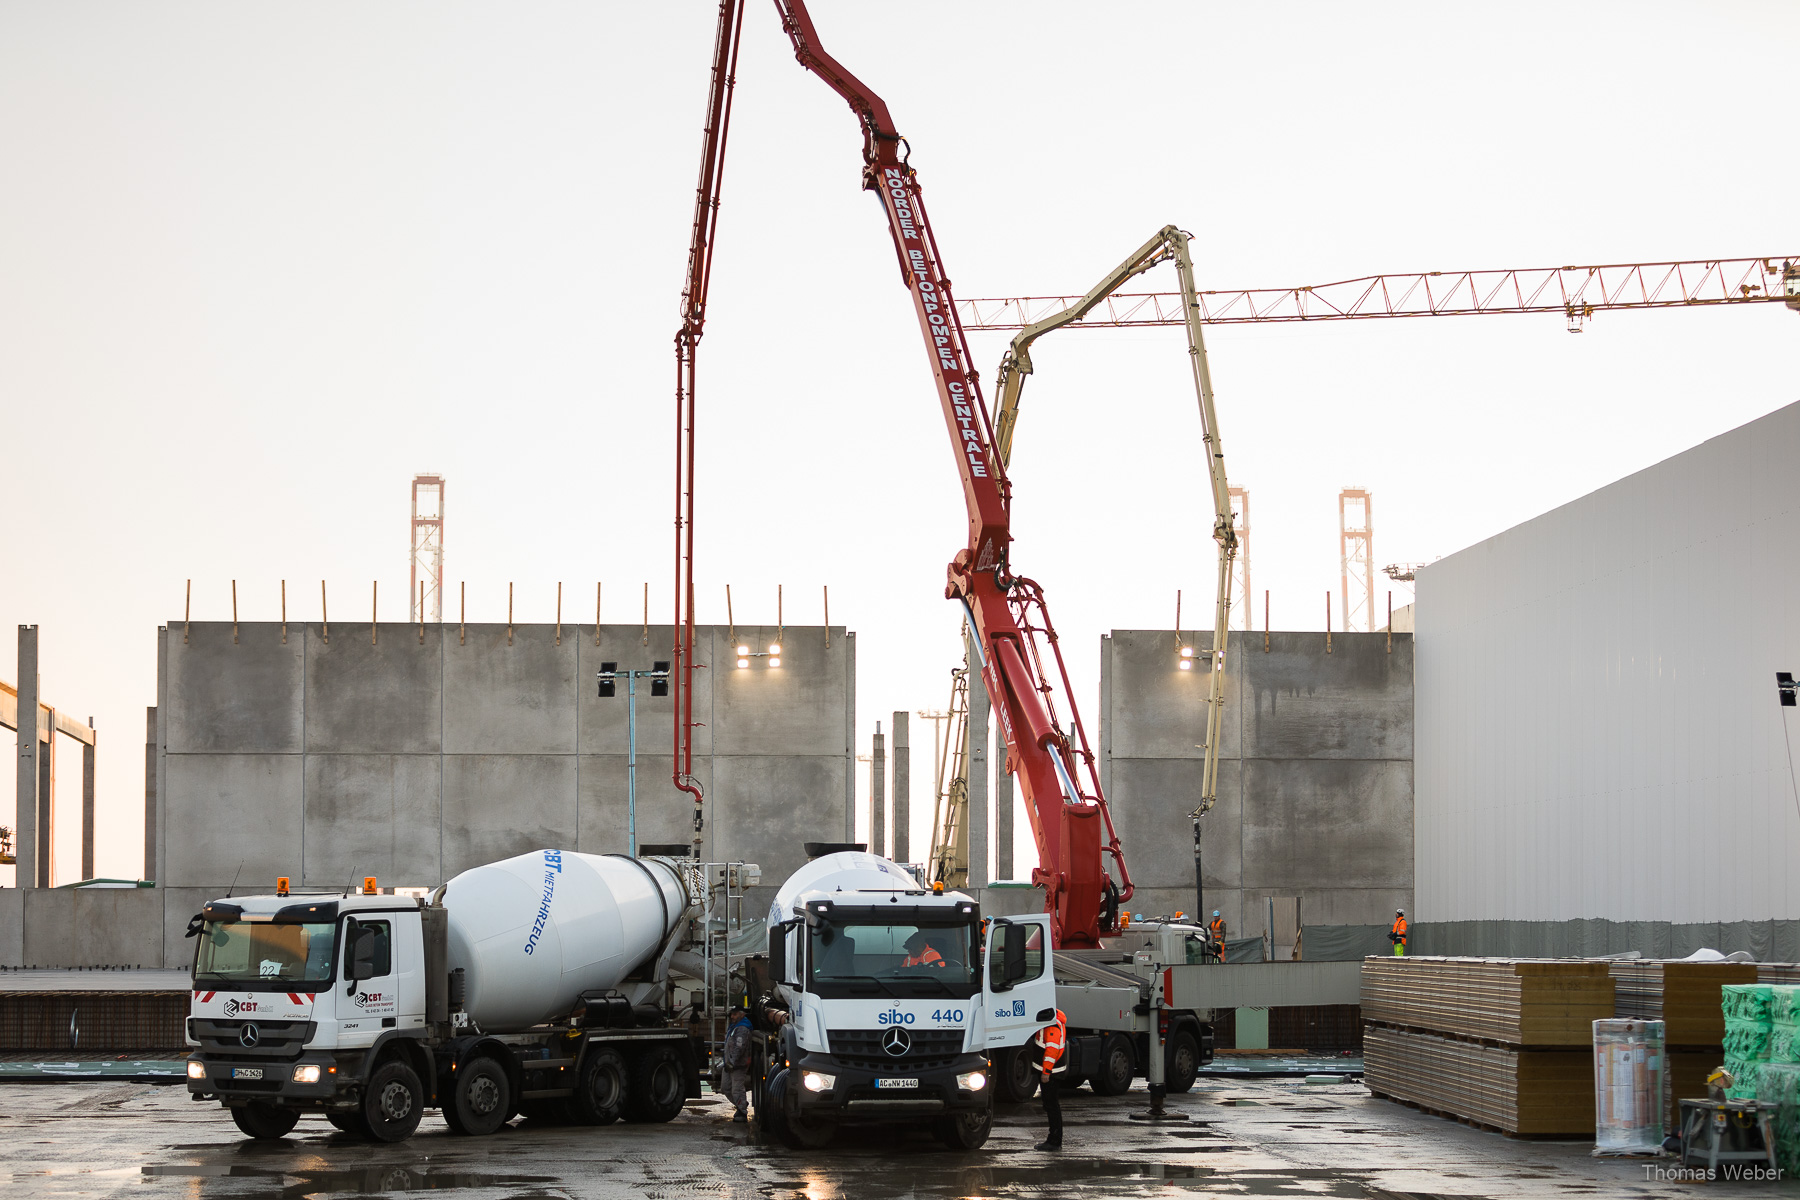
x=196, y=1070
x=306, y=1073
x=972, y=1081
x=816, y=1081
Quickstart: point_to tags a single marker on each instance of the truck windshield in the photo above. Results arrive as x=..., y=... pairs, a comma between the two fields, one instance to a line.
x=906, y=960
x=256, y=956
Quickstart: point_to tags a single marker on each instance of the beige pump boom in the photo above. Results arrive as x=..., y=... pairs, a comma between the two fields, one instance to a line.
x=1169, y=243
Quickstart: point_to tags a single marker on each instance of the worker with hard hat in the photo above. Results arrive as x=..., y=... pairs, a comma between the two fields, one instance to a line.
x=1216, y=928
x=1052, y=1040
x=1397, y=934
x=921, y=953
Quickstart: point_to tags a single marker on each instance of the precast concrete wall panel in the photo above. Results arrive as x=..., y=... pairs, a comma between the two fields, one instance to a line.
x=243, y=697
x=760, y=708
x=374, y=696
x=664, y=813
x=509, y=693
x=236, y=812
x=763, y=809
x=604, y=721
x=12, y=927
x=1315, y=778
x=372, y=814
x=73, y=927
x=499, y=805
x=1598, y=730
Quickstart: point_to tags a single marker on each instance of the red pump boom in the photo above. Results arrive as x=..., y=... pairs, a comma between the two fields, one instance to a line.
x=1055, y=766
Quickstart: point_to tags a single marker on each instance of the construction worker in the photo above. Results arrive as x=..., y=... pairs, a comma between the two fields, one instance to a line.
x=1397, y=934
x=736, y=1059
x=920, y=952
x=1052, y=1039
x=1216, y=928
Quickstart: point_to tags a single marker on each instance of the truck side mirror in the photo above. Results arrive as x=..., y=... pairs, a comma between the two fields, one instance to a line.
x=778, y=953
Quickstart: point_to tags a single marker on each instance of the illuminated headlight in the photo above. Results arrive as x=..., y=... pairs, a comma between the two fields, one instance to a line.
x=817, y=1082
x=196, y=1070
x=306, y=1073
x=972, y=1081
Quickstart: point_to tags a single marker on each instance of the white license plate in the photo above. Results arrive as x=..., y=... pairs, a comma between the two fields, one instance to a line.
x=246, y=1072
x=896, y=1083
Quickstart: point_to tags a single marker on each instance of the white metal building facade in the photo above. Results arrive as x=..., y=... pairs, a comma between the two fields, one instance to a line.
x=1598, y=732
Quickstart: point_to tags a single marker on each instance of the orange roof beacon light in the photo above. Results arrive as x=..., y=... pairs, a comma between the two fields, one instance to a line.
x=281, y=886
x=369, y=887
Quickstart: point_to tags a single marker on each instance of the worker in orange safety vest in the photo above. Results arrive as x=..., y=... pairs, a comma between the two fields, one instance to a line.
x=919, y=953
x=1397, y=934
x=1217, y=930
x=1052, y=1039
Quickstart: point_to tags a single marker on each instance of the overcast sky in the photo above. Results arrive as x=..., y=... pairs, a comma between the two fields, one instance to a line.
x=259, y=264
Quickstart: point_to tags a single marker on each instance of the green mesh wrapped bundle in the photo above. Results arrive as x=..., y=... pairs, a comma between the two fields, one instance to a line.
x=1748, y=1040
x=1784, y=1004
x=1745, y=1074
x=1784, y=1043
x=1779, y=1086
x=1747, y=1001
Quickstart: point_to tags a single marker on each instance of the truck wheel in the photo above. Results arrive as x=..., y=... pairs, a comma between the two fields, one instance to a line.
x=1015, y=1076
x=393, y=1102
x=806, y=1133
x=1182, y=1062
x=481, y=1100
x=964, y=1131
x=1116, y=1067
x=658, y=1087
x=600, y=1093
x=265, y=1122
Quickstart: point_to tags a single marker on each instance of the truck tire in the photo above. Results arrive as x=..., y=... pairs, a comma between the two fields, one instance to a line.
x=1015, y=1075
x=265, y=1122
x=602, y=1092
x=1117, y=1067
x=658, y=1086
x=481, y=1098
x=964, y=1131
x=799, y=1133
x=393, y=1102
x=1181, y=1062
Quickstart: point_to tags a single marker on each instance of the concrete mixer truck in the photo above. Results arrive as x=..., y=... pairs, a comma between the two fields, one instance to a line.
x=536, y=984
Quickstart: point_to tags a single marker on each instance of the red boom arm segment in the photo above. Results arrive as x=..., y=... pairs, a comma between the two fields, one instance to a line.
x=1055, y=767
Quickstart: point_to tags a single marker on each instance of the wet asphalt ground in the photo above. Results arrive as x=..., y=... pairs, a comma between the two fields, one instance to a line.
x=1258, y=1137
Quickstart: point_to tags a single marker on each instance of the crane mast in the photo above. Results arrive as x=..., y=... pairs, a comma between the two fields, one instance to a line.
x=1015, y=643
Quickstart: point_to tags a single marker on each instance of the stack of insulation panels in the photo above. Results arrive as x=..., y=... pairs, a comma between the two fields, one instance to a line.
x=1503, y=1042
x=1684, y=996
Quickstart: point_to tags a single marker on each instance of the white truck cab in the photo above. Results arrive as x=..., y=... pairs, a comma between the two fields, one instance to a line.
x=894, y=998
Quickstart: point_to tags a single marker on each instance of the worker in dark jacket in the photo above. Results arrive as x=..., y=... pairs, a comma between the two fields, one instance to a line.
x=1052, y=1040
x=736, y=1059
x=1397, y=934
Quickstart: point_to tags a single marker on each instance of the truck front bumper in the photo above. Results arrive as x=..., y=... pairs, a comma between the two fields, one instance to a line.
x=858, y=1091
x=238, y=1081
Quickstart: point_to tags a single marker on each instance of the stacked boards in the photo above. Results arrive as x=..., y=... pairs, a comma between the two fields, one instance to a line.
x=1500, y=1041
x=1684, y=996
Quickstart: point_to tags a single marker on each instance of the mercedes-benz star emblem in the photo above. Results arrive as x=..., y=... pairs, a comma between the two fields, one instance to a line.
x=895, y=1042
x=249, y=1035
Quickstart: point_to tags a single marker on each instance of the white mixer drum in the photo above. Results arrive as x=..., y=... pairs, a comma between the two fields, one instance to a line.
x=533, y=932
x=845, y=871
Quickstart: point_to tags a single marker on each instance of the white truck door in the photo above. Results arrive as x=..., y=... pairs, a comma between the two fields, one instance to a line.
x=1018, y=982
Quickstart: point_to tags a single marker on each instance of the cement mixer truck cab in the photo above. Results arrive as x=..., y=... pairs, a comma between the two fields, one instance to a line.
x=891, y=1000
x=534, y=985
